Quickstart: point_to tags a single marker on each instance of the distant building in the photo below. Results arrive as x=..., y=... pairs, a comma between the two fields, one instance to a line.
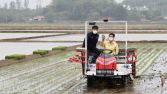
x=165, y=18
x=118, y=1
x=39, y=18
x=144, y=8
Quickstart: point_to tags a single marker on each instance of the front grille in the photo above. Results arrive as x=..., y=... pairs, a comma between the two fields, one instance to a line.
x=105, y=66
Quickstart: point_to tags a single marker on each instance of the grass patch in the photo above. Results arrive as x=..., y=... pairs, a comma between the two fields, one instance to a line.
x=40, y=51
x=59, y=48
x=16, y=56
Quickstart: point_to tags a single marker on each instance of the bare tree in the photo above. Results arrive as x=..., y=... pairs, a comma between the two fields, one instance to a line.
x=37, y=6
x=5, y=6
x=18, y=4
x=12, y=5
x=26, y=3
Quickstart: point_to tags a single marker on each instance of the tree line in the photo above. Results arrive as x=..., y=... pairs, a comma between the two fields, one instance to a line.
x=16, y=5
x=69, y=10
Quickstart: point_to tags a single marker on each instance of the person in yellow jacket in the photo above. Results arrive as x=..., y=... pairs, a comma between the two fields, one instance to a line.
x=110, y=43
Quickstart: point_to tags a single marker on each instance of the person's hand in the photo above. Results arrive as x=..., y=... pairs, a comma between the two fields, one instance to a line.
x=103, y=37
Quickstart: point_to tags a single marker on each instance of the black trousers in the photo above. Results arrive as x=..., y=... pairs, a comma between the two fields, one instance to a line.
x=96, y=52
x=93, y=50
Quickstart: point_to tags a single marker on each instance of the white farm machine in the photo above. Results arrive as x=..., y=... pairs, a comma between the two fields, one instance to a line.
x=108, y=69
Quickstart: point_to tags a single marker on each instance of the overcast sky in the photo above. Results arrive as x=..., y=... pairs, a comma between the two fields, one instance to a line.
x=32, y=3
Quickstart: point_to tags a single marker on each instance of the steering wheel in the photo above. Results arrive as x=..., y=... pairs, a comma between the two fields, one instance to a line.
x=102, y=50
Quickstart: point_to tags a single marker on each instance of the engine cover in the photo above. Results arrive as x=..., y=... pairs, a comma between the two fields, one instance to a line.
x=106, y=62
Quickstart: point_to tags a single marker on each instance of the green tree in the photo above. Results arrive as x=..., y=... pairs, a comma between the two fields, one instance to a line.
x=120, y=13
x=10, y=16
x=61, y=5
x=133, y=15
x=20, y=18
x=77, y=12
x=2, y=17
x=156, y=14
x=49, y=18
x=146, y=14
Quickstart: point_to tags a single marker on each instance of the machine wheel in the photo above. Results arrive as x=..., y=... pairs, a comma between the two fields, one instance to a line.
x=131, y=77
x=124, y=81
x=89, y=81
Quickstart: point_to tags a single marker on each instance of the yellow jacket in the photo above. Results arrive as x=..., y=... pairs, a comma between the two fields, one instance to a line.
x=112, y=46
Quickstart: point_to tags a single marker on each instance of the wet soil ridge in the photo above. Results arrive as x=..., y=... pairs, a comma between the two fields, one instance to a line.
x=82, y=26
x=21, y=40
x=82, y=31
x=35, y=56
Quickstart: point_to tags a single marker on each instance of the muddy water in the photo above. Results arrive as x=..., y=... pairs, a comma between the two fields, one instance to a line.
x=145, y=86
x=118, y=37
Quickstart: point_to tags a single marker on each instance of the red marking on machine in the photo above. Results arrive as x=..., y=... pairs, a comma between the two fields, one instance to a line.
x=109, y=63
x=81, y=60
x=132, y=52
x=162, y=81
x=105, y=20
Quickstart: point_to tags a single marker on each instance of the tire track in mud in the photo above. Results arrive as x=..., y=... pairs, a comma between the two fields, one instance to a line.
x=144, y=51
x=147, y=56
x=148, y=59
x=141, y=59
x=151, y=62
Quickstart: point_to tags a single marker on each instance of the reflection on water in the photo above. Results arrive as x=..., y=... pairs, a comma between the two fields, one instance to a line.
x=118, y=37
x=20, y=35
x=10, y=48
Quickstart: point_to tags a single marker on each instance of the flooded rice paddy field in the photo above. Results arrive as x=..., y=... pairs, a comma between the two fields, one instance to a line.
x=10, y=48
x=55, y=75
x=21, y=35
x=118, y=37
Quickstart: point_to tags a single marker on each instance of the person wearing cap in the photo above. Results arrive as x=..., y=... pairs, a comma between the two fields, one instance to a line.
x=92, y=39
x=110, y=43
